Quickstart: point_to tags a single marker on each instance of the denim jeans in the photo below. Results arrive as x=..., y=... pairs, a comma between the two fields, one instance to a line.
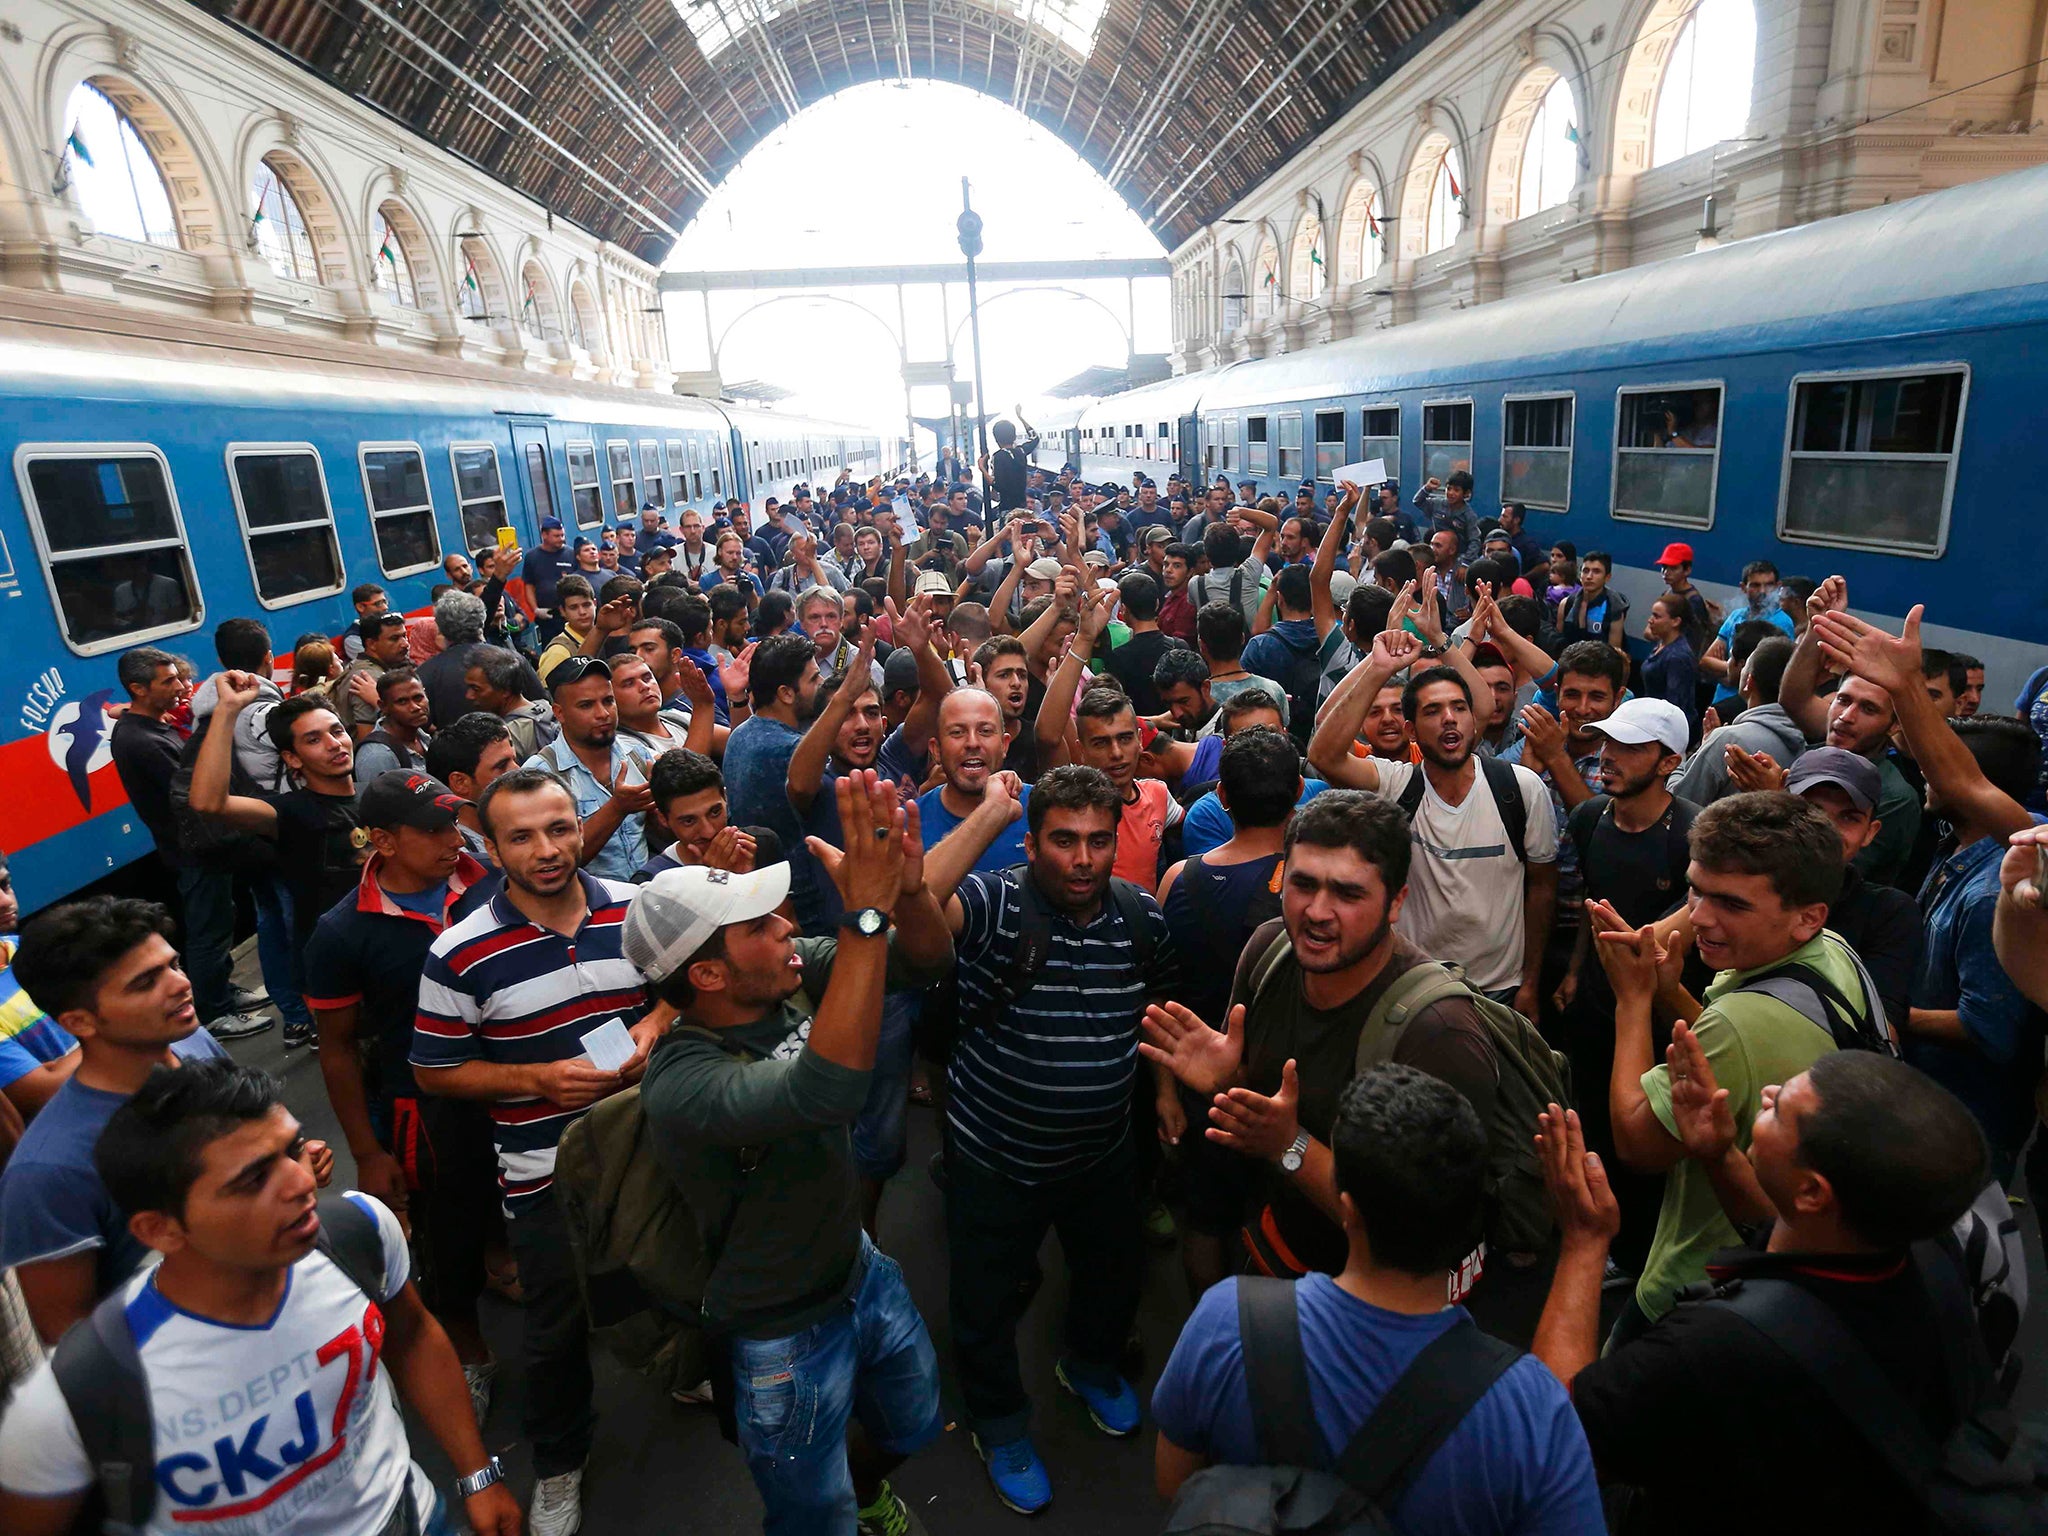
x=878, y=1135
x=276, y=950
x=208, y=899
x=794, y=1397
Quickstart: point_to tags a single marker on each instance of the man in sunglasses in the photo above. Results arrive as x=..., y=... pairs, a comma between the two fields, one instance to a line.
x=604, y=774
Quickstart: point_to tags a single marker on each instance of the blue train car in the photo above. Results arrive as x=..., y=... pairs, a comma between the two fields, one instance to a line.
x=1855, y=396
x=158, y=489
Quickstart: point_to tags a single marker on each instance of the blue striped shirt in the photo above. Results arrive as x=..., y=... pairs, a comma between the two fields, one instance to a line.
x=1044, y=1091
x=499, y=988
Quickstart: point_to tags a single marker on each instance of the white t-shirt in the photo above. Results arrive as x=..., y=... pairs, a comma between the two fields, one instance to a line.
x=1465, y=886
x=260, y=1431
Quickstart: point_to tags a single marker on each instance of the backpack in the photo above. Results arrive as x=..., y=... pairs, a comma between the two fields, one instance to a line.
x=1202, y=593
x=1989, y=1477
x=940, y=1022
x=1507, y=799
x=1985, y=1247
x=1821, y=1003
x=106, y=1388
x=1301, y=675
x=1297, y=1492
x=1532, y=1077
x=207, y=840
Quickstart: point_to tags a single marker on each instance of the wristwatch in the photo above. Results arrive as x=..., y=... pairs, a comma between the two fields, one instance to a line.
x=867, y=922
x=1290, y=1160
x=469, y=1487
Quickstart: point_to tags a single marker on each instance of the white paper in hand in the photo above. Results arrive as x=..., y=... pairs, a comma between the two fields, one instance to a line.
x=608, y=1046
x=1367, y=473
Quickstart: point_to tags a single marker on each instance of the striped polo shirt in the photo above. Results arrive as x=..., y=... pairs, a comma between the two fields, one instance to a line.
x=1044, y=1090
x=499, y=988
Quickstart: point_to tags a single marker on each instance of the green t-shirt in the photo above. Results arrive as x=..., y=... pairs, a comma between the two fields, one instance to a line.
x=1751, y=1041
x=1898, y=808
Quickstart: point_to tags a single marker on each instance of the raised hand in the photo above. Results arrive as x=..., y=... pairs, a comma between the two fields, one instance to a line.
x=735, y=673
x=1862, y=648
x=1587, y=1212
x=1750, y=771
x=1206, y=1060
x=1256, y=1124
x=869, y=871
x=236, y=691
x=630, y=788
x=912, y=626
x=618, y=614
x=1394, y=650
x=1402, y=606
x=1428, y=617
x=1542, y=730
x=1831, y=596
x=1633, y=960
x=693, y=685
x=1700, y=1112
x=2020, y=874
x=1710, y=721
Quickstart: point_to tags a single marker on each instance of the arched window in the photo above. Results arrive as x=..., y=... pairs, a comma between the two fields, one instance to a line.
x=1446, y=214
x=1550, y=155
x=1266, y=295
x=1358, y=234
x=280, y=227
x=1233, y=295
x=393, y=267
x=470, y=297
x=117, y=179
x=1305, y=270
x=537, y=303
x=1704, y=95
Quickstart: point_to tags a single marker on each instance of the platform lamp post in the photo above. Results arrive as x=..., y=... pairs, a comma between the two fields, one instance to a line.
x=969, y=225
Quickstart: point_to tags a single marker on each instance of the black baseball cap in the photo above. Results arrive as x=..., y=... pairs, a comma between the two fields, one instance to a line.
x=401, y=797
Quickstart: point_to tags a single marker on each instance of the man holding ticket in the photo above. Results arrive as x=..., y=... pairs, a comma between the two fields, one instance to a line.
x=751, y=1102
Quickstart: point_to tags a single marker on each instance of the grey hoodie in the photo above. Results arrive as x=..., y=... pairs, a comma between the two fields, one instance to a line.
x=1703, y=778
x=255, y=754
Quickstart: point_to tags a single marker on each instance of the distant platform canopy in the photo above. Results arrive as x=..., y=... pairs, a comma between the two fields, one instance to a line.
x=623, y=115
x=1145, y=368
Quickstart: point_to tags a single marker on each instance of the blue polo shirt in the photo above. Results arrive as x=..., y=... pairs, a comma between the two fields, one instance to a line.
x=542, y=569
x=627, y=849
x=935, y=822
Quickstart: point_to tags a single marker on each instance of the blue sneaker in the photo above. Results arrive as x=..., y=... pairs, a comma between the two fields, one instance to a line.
x=1016, y=1473
x=1115, y=1413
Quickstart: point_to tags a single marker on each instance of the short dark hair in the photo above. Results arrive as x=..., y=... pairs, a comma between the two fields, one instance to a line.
x=1293, y=584
x=1594, y=658
x=670, y=631
x=1765, y=658
x=573, y=585
x=1410, y=1151
x=1944, y=664
x=1968, y=663
x=778, y=663
x=459, y=746
x=775, y=612
x=1072, y=787
x=2006, y=749
x=1184, y=552
x=1104, y=700
x=364, y=592
x=392, y=678
x=1366, y=610
x=1500, y=573
x=153, y=1147
x=1787, y=839
x=371, y=625
x=1246, y=701
x=617, y=586
x=1428, y=677
x=520, y=781
x=1221, y=628
x=678, y=772
x=1261, y=777
x=1606, y=560
x=1524, y=615
x=1222, y=545
x=243, y=644
x=1382, y=531
x=1374, y=829
x=725, y=602
x=1177, y=665
x=1461, y=478
x=1566, y=547
x=1903, y=1155
x=1759, y=568
x=137, y=669
x=64, y=950
x=1139, y=593
x=1395, y=565
x=281, y=720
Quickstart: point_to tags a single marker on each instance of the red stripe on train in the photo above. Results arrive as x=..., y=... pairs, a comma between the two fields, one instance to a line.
x=38, y=796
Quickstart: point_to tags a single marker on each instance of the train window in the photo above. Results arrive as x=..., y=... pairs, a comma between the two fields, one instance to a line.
x=401, y=507
x=584, y=488
x=113, y=543
x=478, y=491
x=1446, y=437
x=1230, y=443
x=678, y=470
x=539, y=482
x=1667, y=454
x=650, y=470
x=620, y=456
x=1287, y=431
x=1379, y=437
x=287, y=523
x=1329, y=443
x=1536, y=451
x=1872, y=459
x=717, y=482
x=1255, y=458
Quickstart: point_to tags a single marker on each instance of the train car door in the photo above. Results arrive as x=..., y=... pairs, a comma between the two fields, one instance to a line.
x=1191, y=449
x=537, y=474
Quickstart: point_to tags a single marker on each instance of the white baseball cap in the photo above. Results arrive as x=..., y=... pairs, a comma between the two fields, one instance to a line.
x=674, y=914
x=1636, y=721
x=1044, y=568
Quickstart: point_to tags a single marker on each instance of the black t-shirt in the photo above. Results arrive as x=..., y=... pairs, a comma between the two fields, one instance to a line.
x=321, y=846
x=1641, y=873
x=1722, y=1433
x=146, y=756
x=1883, y=926
x=1131, y=664
x=1447, y=1040
x=1007, y=469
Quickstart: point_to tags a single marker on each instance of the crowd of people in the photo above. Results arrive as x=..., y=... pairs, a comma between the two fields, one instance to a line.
x=1511, y=1012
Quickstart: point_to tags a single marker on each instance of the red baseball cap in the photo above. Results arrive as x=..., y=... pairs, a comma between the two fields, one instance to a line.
x=1676, y=554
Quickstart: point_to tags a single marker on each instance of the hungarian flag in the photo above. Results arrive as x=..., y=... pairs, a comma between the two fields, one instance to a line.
x=1456, y=190
x=1372, y=223
x=384, y=250
x=76, y=145
x=1315, y=257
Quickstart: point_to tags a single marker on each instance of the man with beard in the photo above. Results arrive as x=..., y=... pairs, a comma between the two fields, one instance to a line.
x=507, y=995
x=643, y=719
x=603, y=774
x=401, y=737
x=784, y=682
x=1276, y=1065
x=970, y=745
x=1039, y=1114
x=1485, y=883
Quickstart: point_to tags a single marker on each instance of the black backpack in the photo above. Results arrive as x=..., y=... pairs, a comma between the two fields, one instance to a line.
x=940, y=1022
x=1989, y=1477
x=1822, y=1004
x=1507, y=798
x=1297, y=1492
x=207, y=840
x=107, y=1389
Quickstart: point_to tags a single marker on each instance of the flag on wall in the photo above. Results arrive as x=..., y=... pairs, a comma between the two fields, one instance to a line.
x=1315, y=257
x=76, y=145
x=1372, y=223
x=384, y=250
x=1452, y=175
